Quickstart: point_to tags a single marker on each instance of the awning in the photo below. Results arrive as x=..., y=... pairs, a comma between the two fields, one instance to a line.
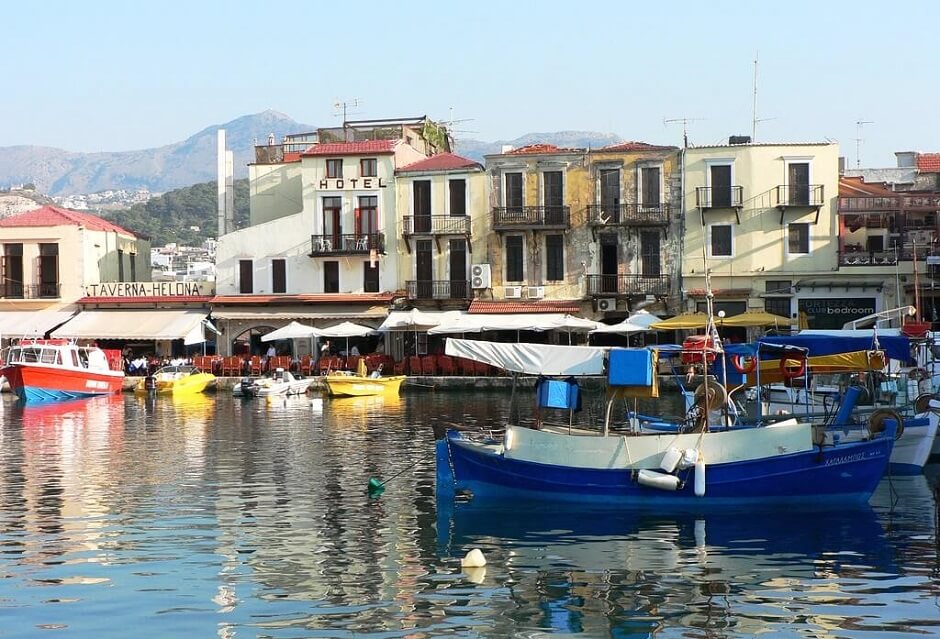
x=148, y=324
x=312, y=312
x=498, y=322
x=31, y=323
x=415, y=319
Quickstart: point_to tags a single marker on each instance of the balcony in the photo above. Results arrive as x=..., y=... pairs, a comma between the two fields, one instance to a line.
x=436, y=225
x=321, y=245
x=858, y=256
x=628, y=284
x=438, y=289
x=513, y=218
x=798, y=196
x=869, y=204
x=629, y=214
x=716, y=198
x=17, y=291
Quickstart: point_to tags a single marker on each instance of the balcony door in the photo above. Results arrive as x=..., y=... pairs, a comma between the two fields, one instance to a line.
x=332, y=220
x=514, y=197
x=798, y=181
x=424, y=268
x=554, y=196
x=367, y=216
x=650, y=261
x=610, y=194
x=720, y=175
x=13, y=271
x=458, y=269
x=422, y=206
x=609, y=266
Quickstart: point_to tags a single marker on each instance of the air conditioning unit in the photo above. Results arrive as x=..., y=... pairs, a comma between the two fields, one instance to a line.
x=535, y=292
x=480, y=276
x=512, y=292
x=607, y=304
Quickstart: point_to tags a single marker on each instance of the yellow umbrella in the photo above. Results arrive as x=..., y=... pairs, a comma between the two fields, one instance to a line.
x=756, y=318
x=683, y=321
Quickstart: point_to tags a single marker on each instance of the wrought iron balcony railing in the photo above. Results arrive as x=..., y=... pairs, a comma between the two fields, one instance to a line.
x=794, y=195
x=629, y=214
x=438, y=289
x=339, y=244
x=436, y=225
x=17, y=291
x=628, y=284
x=719, y=197
x=857, y=256
x=530, y=217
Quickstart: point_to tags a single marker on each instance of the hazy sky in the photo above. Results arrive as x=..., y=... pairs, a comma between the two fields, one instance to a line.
x=109, y=76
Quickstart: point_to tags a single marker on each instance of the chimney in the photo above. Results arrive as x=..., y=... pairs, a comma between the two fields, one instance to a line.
x=225, y=186
x=841, y=165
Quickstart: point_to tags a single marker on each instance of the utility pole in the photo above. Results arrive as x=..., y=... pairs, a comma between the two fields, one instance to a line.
x=754, y=109
x=858, y=141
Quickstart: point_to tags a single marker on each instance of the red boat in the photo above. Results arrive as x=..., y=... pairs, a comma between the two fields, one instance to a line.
x=42, y=370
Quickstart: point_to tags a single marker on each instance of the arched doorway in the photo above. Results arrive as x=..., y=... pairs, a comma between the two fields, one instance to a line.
x=249, y=342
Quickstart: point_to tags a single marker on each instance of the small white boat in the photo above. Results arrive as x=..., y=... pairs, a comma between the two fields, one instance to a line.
x=277, y=382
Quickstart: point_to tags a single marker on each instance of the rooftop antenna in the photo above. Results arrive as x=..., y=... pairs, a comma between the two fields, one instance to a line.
x=858, y=141
x=343, y=107
x=451, y=122
x=754, y=119
x=685, y=128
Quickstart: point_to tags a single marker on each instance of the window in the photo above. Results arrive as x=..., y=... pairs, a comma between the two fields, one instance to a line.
x=332, y=213
x=279, y=276
x=367, y=215
x=778, y=287
x=368, y=167
x=798, y=239
x=120, y=259
x=334, y=168
x=798, y=183
x=777, y=306
x=649, y=186
x=513, y=193
x=458, y=197
x=331, y=277
x=553, y=182
x=13, y=270
x=245, y=276
x=49, y=270
x=554, y=258
x=721, y=240
x=370, y=277
x=133, y=262
x=514, y=259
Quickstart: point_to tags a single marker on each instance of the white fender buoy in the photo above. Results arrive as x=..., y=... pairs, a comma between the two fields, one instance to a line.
x=657, y=480
x=670, y=458
x=473, y=559
x=689, y=457
x=700, y=477
x=475, y=575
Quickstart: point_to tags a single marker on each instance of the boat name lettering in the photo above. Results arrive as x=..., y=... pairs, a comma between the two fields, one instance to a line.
x=143, y=289
x=845, y=459
x=352, y=183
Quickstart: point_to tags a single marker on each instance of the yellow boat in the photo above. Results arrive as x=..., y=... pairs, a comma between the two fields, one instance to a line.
x=175, y=380
x=340, y=384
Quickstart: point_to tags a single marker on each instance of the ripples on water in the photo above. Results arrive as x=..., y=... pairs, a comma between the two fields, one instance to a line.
x=218, y=517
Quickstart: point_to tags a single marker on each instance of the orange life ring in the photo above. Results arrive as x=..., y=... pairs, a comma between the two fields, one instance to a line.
x=788, y=370
x=746, y=364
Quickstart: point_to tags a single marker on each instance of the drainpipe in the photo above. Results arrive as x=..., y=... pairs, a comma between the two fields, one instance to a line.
x=682, y=225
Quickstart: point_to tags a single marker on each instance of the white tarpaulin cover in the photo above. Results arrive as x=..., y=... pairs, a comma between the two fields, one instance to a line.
x=474, y=323
x=14, y=324
x=531, y=359
x=626, y=327
x=416, y=320
x=149, y=324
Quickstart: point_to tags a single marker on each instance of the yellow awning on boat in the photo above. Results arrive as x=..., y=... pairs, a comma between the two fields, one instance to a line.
x=853, y=362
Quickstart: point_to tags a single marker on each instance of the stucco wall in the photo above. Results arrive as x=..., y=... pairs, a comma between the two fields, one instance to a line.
x=275, y=190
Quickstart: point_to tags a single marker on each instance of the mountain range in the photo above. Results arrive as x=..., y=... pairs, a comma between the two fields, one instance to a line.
x=59, y=172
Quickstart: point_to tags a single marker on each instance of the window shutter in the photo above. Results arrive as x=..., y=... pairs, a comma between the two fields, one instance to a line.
x=358, y=221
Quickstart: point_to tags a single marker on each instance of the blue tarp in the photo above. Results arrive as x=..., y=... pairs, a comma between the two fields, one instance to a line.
x=558, y=393
x=630, y=367
x=895, y=346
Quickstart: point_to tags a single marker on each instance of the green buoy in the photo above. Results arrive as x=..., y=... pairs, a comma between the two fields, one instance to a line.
x=376, y=487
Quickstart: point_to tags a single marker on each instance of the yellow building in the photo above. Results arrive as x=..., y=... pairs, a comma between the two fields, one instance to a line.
x=761, y=220
x=441, y=207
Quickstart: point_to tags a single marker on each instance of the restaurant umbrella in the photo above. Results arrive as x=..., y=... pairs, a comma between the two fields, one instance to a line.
x=571, y=323
x=683, y=321
x=347, y=330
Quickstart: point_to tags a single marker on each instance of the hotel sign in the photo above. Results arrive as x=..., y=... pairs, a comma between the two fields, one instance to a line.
x=149, y=289
x=833, y=312
x=340, y=184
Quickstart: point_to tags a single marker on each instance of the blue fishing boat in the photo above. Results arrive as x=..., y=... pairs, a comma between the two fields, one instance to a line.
x=783, y=462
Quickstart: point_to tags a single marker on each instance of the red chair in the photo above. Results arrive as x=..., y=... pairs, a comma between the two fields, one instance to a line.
x=254, y=365
x=352, y=362
x=466, y=367
x=429, y=365
x=281, y=361
x=399, y=367
x=445, y=364
x=481, y=369
x=414, y=365
x=305, y=364
x=232, y=366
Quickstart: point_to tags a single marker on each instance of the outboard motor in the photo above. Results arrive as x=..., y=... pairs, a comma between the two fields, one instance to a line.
x=150, y=383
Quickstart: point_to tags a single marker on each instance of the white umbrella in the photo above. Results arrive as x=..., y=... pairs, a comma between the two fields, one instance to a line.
x=294, y=330
x=572, y=324
x=347, y=330
x=643, y=319
x=626, y=327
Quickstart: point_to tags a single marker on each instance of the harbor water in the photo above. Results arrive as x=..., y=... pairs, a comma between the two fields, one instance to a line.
x=209, y=516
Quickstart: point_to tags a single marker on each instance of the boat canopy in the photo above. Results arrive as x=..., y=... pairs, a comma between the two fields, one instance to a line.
x=894, y=346
x=531, y=359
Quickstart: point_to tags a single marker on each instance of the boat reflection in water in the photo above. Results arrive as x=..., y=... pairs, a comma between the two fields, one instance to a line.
x=103, y=409
x=621, y=574
x=364, y=406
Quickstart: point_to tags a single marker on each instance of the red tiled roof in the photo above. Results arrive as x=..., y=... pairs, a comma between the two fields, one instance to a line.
x=441, y=162
x=928, y=162
x=537, y=149
x=858, y=187
x=338, y=298
x=545, y=306
x=634, y=146
x=364, y=147
x=54, y=216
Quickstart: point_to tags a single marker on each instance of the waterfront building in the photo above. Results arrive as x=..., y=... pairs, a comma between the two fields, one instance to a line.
x=50, y=255
x=763, y=220
x=322, y=244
